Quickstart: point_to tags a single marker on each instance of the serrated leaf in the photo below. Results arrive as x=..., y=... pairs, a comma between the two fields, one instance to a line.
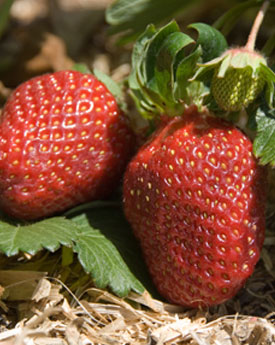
x=48, y=234
x=133, y=16
x=98, y=254
x=212, y=41
x=264, y=143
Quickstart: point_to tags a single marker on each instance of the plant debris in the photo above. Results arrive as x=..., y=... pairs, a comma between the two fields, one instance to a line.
x=53, y=314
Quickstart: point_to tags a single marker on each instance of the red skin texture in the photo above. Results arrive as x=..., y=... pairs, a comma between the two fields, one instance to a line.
x=195, y=198
x=63, y=141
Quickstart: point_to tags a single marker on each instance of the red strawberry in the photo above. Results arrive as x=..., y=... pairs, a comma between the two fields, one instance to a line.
x=63, y=141
x=195, y=197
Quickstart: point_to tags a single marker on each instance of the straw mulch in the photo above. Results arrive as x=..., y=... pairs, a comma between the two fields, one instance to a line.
x=50, y=314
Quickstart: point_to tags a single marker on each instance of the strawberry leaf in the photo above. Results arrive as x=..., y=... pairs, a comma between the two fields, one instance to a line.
x=49, y=234
x=264, y=142
x=133, y=16
x=4, y=14
x=81, y=67
x=103, y=252
x=227, y=21
x=212, y=41
x=100, y=236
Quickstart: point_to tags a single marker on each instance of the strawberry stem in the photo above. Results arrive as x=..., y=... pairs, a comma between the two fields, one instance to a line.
x=250, y=45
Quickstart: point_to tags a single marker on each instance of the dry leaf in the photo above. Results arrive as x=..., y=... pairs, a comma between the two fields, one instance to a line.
x=19, y=285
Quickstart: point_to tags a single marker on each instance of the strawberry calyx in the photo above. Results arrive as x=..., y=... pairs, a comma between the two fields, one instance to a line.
x=239, y=58
x=159, y=81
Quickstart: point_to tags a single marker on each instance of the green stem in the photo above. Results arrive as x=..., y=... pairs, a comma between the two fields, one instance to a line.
x=250, y=45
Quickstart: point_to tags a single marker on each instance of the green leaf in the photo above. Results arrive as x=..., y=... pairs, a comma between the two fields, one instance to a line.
x=81, y=67
x=4, y=14
x=132, y=16
x=212, y=41
x=49, y=234
x=163, y=79
x=152, y=79
x=139, y=51
x=264, y=143
x=269, y=76
x=136, y=79
x=184, y=69
x=100, y=236
x=152, y=53
x=102, y=252
x=227, y=21
x=269, y=46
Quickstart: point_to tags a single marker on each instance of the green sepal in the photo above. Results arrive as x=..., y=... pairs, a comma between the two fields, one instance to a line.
x=212, y=41
x=242, y=60
x=136, y=80
x=159, y=66
x=162, y=81
x=183, y=70
x=264, y=143
x=229, y=59
x=269, y=76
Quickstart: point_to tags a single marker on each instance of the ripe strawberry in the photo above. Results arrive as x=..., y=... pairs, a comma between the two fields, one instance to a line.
x=195, y=197
x=63, y=141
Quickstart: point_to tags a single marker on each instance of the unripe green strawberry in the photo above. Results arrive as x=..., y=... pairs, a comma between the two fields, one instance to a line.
x=239, y=77
x=237, y=89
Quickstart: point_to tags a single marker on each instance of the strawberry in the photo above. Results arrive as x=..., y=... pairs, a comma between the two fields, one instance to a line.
x=239, y=76
x=238, y=79
x=241, y=73
x=63, y=141
x=194, y=196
